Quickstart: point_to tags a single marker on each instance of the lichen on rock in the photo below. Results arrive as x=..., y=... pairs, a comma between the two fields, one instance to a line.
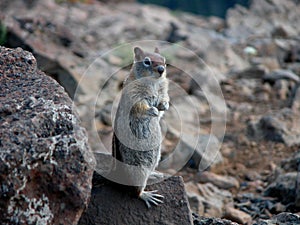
x=46, y=164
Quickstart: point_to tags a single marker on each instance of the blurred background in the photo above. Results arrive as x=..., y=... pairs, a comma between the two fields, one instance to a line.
x=251, y=49
x=200, y=7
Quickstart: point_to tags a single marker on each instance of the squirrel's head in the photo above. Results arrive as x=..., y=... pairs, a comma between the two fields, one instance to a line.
x=149, y=64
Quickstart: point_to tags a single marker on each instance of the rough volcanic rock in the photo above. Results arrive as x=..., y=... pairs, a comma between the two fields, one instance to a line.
x=46, y=164
x=119, y=206
x=286, y=187
x=283, y=188
x=200, y=220
x=258, y=206
x=282, y=218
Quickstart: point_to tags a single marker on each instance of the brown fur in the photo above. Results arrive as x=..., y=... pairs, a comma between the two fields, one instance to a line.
x=137, y=134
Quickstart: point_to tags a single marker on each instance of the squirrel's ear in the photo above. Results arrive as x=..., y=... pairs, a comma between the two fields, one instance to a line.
x=156, y=50
x=138, y=54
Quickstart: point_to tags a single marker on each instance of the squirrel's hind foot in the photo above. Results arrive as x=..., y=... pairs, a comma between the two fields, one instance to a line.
x=151, y=197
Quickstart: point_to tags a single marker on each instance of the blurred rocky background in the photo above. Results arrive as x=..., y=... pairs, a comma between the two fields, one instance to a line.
x=254, y=51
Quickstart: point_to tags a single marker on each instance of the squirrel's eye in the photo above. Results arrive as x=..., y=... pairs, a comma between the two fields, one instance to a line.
x=147, y=61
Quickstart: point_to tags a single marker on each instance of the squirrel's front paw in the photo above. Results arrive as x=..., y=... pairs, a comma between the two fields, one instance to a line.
x=153, y=111
x=163, y=106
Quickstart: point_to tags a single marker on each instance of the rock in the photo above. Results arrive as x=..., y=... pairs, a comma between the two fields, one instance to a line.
x=207, y=89
x=195, y=200
x=174, y=35
x=237, y=216
x=200, y=220
x=292, y=54
x=264, y=19
x=104, y=163
x=281, y=126
x=291, y=164
x=297, y=200
x=282, y=88
x=250, y=51
x=207, y=152
x=190, y=145
x=279, y=32
x=200, y=156
x=212, y=198
x=118, y=206
x=295, y=102
x=253, y=176
x=280, y=74
x=282, y=218
x=67, y=41
x=252, y=73
x=279, y=207
x=45, y=162
x=50, y=43
x=283, y=188
x=230, y=61
x=256, y=205
x=216, y=23
x=269, y=63
x=287, y=218
x=223, y=182
x=105, y=114
x=269, y=127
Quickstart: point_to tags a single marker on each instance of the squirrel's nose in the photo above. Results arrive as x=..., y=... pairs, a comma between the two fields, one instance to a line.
x=160, y=69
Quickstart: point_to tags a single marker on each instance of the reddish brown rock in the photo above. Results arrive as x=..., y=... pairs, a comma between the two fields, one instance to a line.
x=46, y=164
x=223, y=182
x=111, y=204
x=207, y=199
x=237, y=215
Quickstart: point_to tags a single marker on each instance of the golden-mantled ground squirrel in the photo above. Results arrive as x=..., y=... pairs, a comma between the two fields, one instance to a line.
x=137, y=133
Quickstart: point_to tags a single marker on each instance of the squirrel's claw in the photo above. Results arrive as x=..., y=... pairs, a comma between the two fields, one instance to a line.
x=150, y=197
x=153, y=112
x=163, y=106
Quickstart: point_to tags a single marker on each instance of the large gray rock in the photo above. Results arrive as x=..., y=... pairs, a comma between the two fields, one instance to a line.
x=113, y=204
x=46, y=164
